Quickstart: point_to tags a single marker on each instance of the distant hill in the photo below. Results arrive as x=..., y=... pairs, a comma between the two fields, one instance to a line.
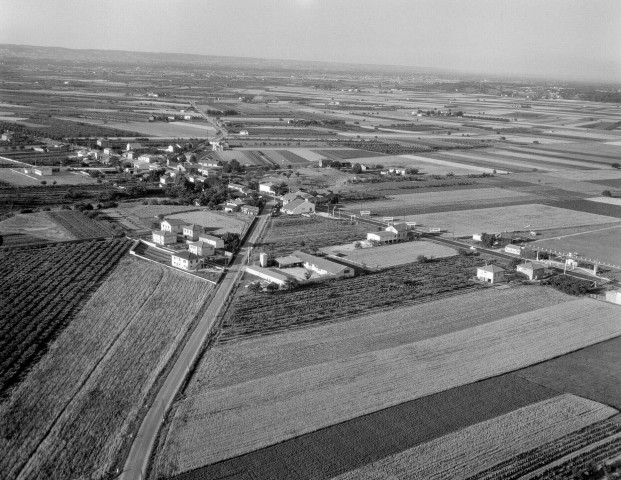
x=28, y=52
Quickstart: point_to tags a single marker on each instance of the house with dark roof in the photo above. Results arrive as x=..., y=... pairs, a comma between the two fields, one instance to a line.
x=192, y=231
x=298, y=207
x=250, y=210
x=323, y=266
x=185, y=260
x=532, y=270
x=174, y=225
x=288, y=261
x=491, y=273
x=400, y=230
x=202, y=249
x=217, y=242
x=162, y=237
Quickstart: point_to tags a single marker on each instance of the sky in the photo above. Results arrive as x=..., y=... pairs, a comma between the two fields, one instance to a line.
x=562, y=38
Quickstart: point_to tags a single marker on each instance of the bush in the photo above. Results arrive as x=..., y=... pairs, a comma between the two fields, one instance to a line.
x=606, y=193
x=569, y=285
x=422, y=259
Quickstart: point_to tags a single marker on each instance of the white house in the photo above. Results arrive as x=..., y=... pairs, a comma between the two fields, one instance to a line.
x=185, y=260
x=531, y=270
x=268, y=274
x=162, y=237
x=491, y=273
x=217, y=242
x=323, y=266
x=174, y=225
x=382, y=237
x=42, y=171
x=192, y=231
x=201, y=249
x=400, y=230
x=299, y=206
x=133, y=146
x=397, y=171
x=233, y=206
x=267, y=188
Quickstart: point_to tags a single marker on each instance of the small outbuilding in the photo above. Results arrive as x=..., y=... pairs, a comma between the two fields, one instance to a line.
x=491, y=273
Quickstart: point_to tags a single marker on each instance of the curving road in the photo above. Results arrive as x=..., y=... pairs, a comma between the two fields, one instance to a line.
x=142, y=447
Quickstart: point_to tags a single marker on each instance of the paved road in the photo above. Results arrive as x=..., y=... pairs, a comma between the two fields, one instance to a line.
x=223, y=131
x=140, y=453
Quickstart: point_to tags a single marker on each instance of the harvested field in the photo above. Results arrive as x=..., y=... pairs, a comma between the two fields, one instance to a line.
x=73, y=413
x=286, y=234
x=608, y=200
x=213, y=222
x=400, y=204
x=326, y=453
x=36, y=224
x=163, y=129
x=580, y=205
x=589, y=175
x=261, y=412
x=79, y=225
x=291, y=157
x=347, y=154
x=422, y=163
x=252, y=315
x=509, y=218
x=399, y=254
x=482, y=446
x=602, y=244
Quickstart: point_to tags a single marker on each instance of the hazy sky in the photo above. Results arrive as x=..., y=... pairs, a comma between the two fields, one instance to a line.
x=561, y=37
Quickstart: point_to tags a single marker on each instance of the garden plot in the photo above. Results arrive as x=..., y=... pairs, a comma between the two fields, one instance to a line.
x=220, y=423
x=216, y=223
x=399, y=254
x=508, y=219
x=472, y=196
x=484, y=445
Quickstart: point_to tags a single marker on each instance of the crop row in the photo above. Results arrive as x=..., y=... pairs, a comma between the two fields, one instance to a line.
x=346, y=298
x=539, y=457
x=79, y=225
x=42, y=290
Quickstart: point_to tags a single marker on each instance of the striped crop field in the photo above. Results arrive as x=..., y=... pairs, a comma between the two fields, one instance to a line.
x=398, y=254
x=510, y=218
x=589, y=175
x=482, y=446
x=72, y=415
x=473, y=196
x=269, y=390
x=425, y=165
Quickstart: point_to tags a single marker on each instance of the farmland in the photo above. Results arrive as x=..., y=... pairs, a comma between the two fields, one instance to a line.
x=509, y=218
x=42, y=291
x=79, y=225
x=38, y=225
x=286, y=234
x=315, y=396
x=326, y=453
x=477, y=448
x=321, y=302
x=392, y=255
x=599, y=244
x=401, y=204
x=72, y=414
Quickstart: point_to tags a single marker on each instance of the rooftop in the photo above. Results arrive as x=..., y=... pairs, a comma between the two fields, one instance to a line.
x=268, y=271
x=186, y=255
x=491, y=269
x=319, y=262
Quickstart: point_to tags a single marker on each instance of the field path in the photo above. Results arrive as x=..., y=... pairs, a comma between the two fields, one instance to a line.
x=140, y=453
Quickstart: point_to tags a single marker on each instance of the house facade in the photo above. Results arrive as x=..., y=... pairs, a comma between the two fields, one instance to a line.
x=298, y=207
x=531, y=270
x=174, y=225
x=400, y=230
x=201, y=249
x=217, y=242
x=162, y=237
x=185, y=260
x=382, y=237
x=192, y=231
x=249, y=210
x=491, y=273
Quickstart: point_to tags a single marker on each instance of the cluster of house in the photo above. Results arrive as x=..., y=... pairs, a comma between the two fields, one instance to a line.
x=200, y=245
x=293, y=203
x=495, y=274
x=314, y=267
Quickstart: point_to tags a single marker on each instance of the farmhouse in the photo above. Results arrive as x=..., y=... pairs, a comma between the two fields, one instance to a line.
x=201, y=249
x=531, y=270
x=162, y=237
x=400, y=230
x=267, y=188
x=249, y=210
x=288, y=261
x=233, y=206
x=299, y=206
x=271, y=275
x=324, y=266
x=491, y=273
x=174, y=225
x=217, y=242
x=185, y=260
x=382, y=237
x=192, y=231
x=513, y=249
